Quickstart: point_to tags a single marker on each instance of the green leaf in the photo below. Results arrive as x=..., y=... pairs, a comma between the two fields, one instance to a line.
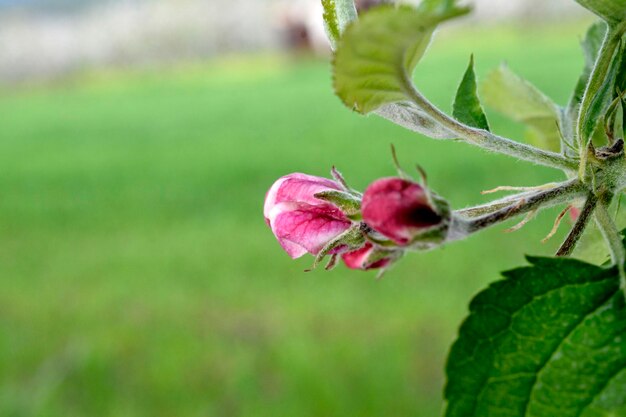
x=437, y=6
x=467, y=108
x=331, y=24
x=346, y=13
x=378, y=52
x=610, y=10
x=337, y=14
x=591, y=47
x=511, y=95
x=602, y=100
x=547, y=341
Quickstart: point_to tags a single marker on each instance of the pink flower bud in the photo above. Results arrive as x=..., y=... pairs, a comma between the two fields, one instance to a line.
x=365, y=258
x=301, y=222
x=574, y=213
x=398, y=209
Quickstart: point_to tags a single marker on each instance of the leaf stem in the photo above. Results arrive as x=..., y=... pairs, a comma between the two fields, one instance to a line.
x=613, y=239
x=561, y=193
x=495, y=205
x=568, y=246
x=485, y=139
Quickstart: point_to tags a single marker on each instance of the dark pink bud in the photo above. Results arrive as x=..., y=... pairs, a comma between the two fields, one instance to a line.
x=301, y=222
x=365, y=258
x=398, y=209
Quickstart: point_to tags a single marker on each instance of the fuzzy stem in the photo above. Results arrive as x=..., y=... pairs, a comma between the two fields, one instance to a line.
x=568, y=246
x=486, y=139
x=596, y=80
x=613, y=239
x=563, y=192
x=501, y=203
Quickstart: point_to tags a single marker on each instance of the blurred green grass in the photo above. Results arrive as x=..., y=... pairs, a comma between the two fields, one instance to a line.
x=137, y=277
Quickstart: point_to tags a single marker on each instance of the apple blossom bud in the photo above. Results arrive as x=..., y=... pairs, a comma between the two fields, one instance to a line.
x=301, y=222
x=402, y=210
x=368, y=257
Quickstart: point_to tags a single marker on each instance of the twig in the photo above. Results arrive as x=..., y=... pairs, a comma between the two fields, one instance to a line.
x=567, y=247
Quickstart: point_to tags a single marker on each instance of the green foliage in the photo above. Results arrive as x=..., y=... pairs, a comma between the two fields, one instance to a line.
x=613, y=11
x=601, y=100
x=336, y=15
x=467, y=108
x=510, y=94
x=437, y=6
x=591, y=46
x=346, y=13
x=546, y=341
x=377, y=54
x=331, y=23
x=109, y=220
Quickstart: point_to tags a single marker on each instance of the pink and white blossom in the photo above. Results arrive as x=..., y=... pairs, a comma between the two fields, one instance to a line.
x=301, y=222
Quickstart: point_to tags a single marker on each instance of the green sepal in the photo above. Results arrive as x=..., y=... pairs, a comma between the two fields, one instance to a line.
x=436, y=235
x=379, y=254
x=346, y=202
x=614, y=119
x=353, y=238
x=467, y=108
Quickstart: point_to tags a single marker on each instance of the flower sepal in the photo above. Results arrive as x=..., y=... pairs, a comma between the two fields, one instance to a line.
x=348, y=203
x=434, y=236
x=350, y=240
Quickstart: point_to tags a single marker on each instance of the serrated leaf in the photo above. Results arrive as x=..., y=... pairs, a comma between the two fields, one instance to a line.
x=547, y=341
x=378, y=52
x=467, y=108
x=609, y=10
x=511, y=95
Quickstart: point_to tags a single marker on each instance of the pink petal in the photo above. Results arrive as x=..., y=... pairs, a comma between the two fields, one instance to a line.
x=310, y=227
x=297, y=188
x=359, y=258
x=356, y=259
x=398, y=209
x=293, y=249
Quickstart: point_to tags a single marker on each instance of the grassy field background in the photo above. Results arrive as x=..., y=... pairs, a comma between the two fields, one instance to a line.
x=137, y=277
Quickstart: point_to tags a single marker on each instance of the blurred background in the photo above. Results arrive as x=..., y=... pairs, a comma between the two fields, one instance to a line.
x=137, y=141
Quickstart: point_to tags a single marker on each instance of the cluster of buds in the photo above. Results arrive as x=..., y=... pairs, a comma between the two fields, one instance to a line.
x=326, y=218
